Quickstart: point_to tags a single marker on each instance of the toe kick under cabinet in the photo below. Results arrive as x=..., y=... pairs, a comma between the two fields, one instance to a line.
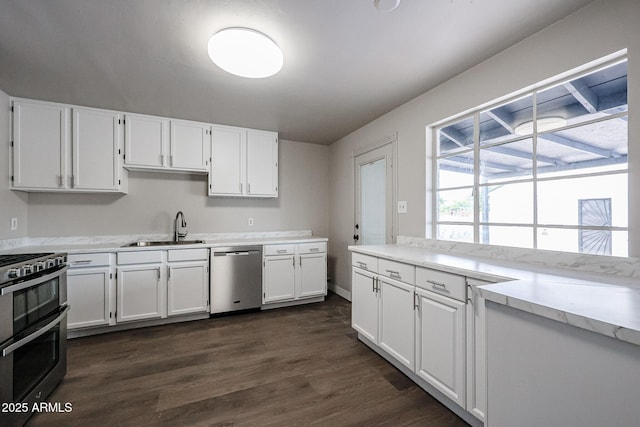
x=429, y=323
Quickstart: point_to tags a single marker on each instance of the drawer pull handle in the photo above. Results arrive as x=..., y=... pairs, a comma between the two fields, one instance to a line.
x=314, y=249
x=438, y=285
x=393, y=273
x=362, y=265
x=281, y=251
x=82, y=261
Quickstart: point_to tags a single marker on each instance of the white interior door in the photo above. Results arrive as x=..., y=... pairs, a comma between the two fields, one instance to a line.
x=374, y=196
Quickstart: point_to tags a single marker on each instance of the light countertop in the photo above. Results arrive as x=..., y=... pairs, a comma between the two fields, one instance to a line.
x=608, y=305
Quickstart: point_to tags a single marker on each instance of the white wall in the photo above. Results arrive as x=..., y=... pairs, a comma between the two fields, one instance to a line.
x=601, y=28
x=12, y=204
x=154, y=198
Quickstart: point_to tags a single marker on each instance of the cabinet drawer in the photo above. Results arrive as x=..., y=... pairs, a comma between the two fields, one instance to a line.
x=442, y=283
x=88, y=260
x=139, y=257
x=279, y=250
x=365, y=262
x=187, y=254
x=397, y=270
x=311, y=248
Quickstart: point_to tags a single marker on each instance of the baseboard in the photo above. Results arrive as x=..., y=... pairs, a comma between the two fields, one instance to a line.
x=339, y=291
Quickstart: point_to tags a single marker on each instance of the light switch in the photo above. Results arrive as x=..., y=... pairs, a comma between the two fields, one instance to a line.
x=402, y=206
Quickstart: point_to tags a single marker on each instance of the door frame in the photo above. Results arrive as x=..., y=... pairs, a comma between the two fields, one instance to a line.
x=392, y=141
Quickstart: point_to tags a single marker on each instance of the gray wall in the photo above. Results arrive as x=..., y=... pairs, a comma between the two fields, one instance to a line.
x=154, y=198
x=12, y=204
x=600, y=29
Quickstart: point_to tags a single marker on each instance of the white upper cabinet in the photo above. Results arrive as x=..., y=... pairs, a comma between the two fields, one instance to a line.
x=244, y=162
x=96, y=150
x=227, y=167
x=190, y=145
x=145, y=141
x=57, y=147
x=40, y=145
x=165, y=144
x=262, y=163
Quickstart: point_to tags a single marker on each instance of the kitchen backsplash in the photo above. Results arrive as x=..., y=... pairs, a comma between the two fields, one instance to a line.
x=623, y=267
x=8, y=244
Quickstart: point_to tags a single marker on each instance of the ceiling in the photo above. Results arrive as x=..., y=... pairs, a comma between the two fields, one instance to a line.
x=345, y=63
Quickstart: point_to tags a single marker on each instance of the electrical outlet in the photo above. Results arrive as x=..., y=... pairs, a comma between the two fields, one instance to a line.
x=14, y=224
x=250, y=222
x=402, y=206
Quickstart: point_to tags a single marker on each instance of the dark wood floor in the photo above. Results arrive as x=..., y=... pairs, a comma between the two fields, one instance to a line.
x=294, y=366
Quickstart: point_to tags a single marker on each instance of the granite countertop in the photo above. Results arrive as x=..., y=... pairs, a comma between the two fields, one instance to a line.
x=605, y=304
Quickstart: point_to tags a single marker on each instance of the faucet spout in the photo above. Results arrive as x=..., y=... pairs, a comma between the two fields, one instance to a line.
x=180, y=227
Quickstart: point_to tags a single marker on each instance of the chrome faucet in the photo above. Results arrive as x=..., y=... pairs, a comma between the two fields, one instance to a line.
x=180, y=228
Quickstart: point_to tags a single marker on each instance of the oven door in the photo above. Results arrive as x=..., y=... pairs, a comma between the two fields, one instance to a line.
x=25, y=303
x=32, y=364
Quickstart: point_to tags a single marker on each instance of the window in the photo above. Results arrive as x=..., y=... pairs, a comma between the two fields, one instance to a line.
x=545, y=170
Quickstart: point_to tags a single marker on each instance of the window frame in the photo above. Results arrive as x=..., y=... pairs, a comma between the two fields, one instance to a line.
x=477, y=146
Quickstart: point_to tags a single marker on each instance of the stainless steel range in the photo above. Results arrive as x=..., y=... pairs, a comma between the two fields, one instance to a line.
x=33, y=331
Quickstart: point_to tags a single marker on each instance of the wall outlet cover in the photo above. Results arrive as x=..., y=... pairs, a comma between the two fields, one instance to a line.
x=402, y=206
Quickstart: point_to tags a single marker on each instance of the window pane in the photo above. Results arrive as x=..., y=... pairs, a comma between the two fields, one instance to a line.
x=511, y=203
x=456, y=171
x=595, y=95
x=458, y=233
x=521, y=237
x=455, y=205
x=508, y=161
x=456, y=136
x=568, y=240
x=597, y=144
x=559, y=200
x=504, y=123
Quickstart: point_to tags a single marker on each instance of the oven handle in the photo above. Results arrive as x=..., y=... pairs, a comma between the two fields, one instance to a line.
x=26, y=340
x=29, y=283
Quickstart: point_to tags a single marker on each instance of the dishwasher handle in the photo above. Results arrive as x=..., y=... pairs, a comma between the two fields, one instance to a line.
x=236, y=253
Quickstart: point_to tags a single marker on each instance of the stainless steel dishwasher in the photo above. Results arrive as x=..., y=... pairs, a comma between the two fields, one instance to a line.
x=236, y=278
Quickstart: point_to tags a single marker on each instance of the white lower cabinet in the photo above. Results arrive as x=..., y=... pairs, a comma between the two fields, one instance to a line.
x=430, y=321
x=397, y=320
x=294, y=272
x=383, y=312
x=440, y=344
x=141, y=292
x=476, y=351
x=90, y=290
x=188, y=281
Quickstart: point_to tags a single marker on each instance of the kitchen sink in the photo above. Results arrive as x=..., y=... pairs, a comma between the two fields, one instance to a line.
x=141, y=243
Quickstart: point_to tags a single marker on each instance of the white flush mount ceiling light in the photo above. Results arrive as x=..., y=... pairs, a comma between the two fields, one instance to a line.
x=245, y=52
x=544, y=124
x=386, y=5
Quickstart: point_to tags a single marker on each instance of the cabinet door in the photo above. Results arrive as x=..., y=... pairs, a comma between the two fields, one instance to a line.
x=190, y=145
x=440, y=344
x=279, y=278
x=145, y=141
x=476, y=351
x=89, y=295
x=397, y=320
x=312, y=275
x=140, y=292
x=95, y=145
x=364, y=304
x=188, y=288
x=262, y=164
x=40, y=145
x=227, y=167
